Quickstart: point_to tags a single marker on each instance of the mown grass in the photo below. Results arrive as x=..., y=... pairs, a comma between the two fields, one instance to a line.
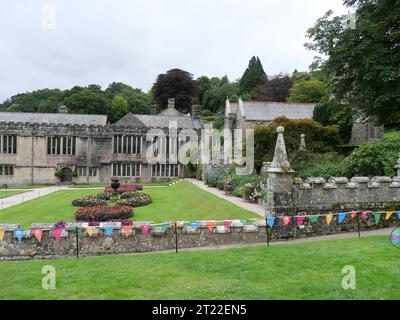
x=183, y=201
x=293, y=271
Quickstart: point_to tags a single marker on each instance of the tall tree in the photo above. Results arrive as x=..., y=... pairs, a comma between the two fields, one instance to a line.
x=119, y=108
x=178, y=84
x=363, y=57
x=253, y=76
x=90, y=100
x=310, y=91
x=275, y=89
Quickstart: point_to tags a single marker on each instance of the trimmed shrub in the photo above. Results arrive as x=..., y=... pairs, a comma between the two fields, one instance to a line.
x=135, y=199
x=103, y=213
x=92, y=200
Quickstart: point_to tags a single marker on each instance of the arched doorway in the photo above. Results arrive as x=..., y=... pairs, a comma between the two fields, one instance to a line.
x=66, y=175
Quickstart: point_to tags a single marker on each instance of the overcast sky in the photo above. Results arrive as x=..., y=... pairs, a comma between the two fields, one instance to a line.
x=59, y=44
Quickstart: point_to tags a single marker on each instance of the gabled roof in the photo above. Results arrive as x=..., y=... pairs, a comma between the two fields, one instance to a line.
x=171, y=112
x=53, y=118
x=268, y=111
x=157, y=121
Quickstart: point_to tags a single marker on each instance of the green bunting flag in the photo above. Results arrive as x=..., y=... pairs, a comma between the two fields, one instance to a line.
x=313, y=218
x=377, y=216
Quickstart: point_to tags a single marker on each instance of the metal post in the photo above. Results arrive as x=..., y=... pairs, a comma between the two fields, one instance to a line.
x=176, y=237
x=77, y=243
x=358, y=225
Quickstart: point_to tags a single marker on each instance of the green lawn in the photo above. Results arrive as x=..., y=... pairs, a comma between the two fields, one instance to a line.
x=82, y=186
x=183, y=201
x=5, y=193
x=392, y=133
x=291, y=271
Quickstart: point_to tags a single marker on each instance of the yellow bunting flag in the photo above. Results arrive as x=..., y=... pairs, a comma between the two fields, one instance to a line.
x=388, y=215
x=2, y=233
x=90, y=230
x=329, y=218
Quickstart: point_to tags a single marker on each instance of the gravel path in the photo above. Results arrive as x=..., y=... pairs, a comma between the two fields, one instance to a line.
x=254, y=207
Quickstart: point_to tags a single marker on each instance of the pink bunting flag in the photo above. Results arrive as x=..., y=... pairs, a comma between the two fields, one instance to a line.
x=211, y=226
x=38, y=234
x=227, y=224
x=286, y=220
x=300, y=220
x=57, y=234
x=354, y=214
x=145, y=229
x=364, y=215
x=127, y=230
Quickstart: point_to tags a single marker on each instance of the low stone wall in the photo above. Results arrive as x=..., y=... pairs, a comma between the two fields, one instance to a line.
x=117, y=243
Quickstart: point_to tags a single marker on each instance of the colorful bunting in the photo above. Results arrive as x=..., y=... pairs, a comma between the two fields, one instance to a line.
x=388, y=215
x=90, y=230
x=377, y=217
x=57, y=234
x=300, y=220
x=108, y=230
x=329, y=218
x=193, y=226
x=286, y=220
x=364, y=215
x=2, y=233
x=398, y=215
x=313, y=218
x=127, y=230
x=270, y=221
x=79, y=231
x=145, y=229
x=341, y=217
x=211, y=225
x=38, y=234
x=19, y=234
x=354, y=214
x=227, y=224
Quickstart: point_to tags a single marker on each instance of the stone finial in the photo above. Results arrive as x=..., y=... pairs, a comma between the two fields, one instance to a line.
x=280, y=160
x=153, y=109
x=303, y=146
x=62, y=109
x=196, y=114
x=171, y=103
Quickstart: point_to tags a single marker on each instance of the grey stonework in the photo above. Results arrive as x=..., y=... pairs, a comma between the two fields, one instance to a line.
x=118, y=243
x=365, y=130
x=286, y=194
x=94, y=145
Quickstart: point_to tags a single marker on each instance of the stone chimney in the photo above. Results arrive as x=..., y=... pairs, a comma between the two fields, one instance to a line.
x=171, y=103
x=153, y=109
x=303, y=146
x=196, y=115
x=62, y=109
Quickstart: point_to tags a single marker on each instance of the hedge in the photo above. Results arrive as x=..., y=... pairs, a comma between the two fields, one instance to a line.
x=103, y=213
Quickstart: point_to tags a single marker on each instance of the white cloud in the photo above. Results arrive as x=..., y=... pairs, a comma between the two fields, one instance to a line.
x=100, y=41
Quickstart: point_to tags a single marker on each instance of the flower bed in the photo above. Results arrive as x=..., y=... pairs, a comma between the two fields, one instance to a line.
x=134, y=199
x=103, y=213
x=92, y=200
x=126, y=188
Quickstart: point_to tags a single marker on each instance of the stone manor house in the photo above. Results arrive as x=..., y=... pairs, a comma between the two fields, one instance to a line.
x=37, y=148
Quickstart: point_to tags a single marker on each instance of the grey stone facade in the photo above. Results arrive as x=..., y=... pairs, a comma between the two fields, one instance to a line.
x=286, y=194
x=366, y=130
x=85, y=149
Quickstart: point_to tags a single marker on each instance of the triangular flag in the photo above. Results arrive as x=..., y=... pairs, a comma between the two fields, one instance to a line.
x=313, y=218
x=38, y=234
x=109, y=230
x=364, y=215
x=90, y=230
x=164, y=227
x=398, y=214
x=377, y=216
x=57, y=234
x=286, y=220
x=329, y=218
x=270, y=221
x=193, y=226
x=127, y=230
x=145, y=229
x=341, y=217
x=244, y=221
x=354, y=214
x=388, y=215
x=227, y=224
x=2, y=233
x=300, y=220
x=19, y=234
x=79, y=231
x=210, y=226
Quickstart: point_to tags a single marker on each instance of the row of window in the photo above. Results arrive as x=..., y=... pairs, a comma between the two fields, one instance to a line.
x=8, y=144
x=126, y=169
x=61, y=145
x=127, y=144
x=165, y=170
x=6, y=170
x=85, y=172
